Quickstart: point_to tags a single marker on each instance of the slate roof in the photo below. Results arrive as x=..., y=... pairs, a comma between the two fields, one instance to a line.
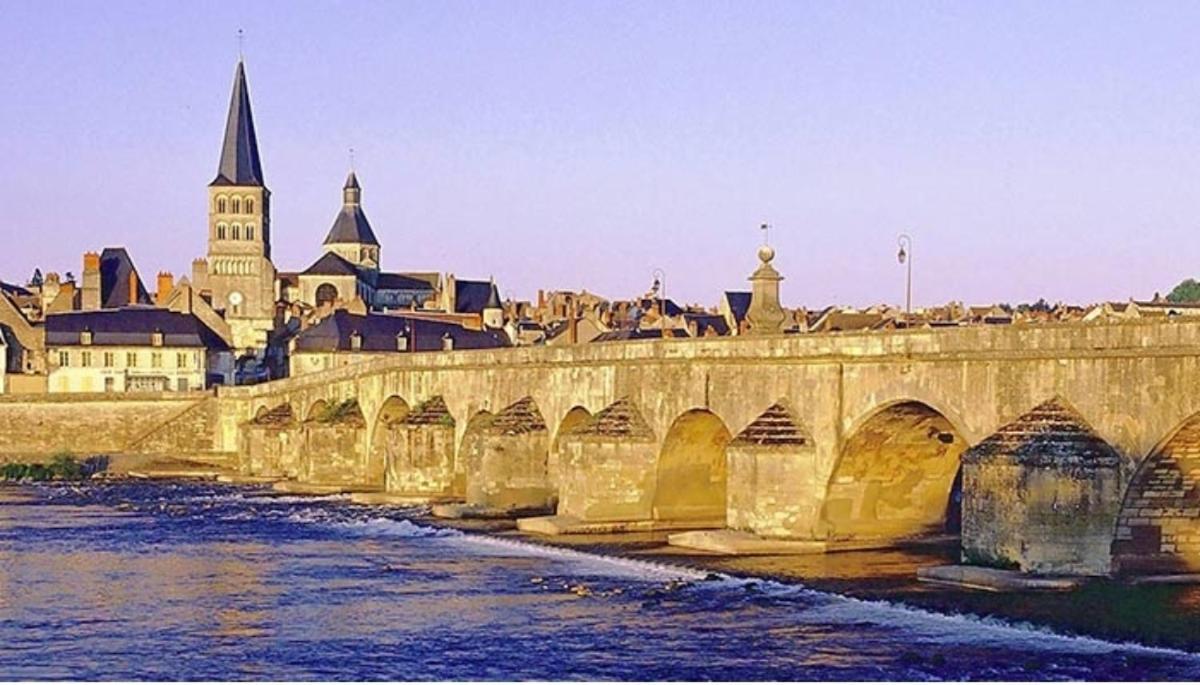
x=739, y=304
x=1050, y=434
x=518, y=418
x=774, y=427
x=379, y=332
x=330, y=264
x=471, y=297
x=351, y=225
x=131, y=326
x=280, y=415
x=398, y=281
x=115, y=267
x=13, y=289
x=240, y=164
x=703, y=321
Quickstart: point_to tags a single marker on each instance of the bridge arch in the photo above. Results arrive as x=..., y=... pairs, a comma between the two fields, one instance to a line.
x=470, y=447
x=691, y=471
x=379, y=453
x=1158, y=527
x=574, y=419
x=316, y=409
x=895, y=475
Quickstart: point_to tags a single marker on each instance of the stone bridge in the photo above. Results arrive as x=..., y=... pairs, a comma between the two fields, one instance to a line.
x=836, y=439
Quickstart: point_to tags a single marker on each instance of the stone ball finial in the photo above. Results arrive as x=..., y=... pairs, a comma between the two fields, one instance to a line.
x=766, y=253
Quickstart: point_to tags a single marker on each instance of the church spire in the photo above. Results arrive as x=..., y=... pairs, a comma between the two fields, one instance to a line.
x=240, y=164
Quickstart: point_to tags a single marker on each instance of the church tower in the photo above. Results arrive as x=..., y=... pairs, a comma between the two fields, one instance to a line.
x=240, y=277
x=351, y=236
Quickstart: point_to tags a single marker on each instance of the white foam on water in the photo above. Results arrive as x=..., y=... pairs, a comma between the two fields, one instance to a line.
x=928, y=626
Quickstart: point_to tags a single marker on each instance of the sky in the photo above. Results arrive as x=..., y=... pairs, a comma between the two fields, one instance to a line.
x=1030, y=149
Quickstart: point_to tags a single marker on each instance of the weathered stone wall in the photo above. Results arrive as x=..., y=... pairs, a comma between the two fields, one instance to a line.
x=420, y=460
x=337, y=454
x=607, y=478
x=509, y=471
x=167, y=425
x=271, y=451
x=773, y=491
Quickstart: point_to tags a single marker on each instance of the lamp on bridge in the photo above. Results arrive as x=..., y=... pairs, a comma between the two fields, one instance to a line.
x=904, y=256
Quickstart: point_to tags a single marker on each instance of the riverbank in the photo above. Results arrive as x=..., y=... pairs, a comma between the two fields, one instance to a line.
x=1153, y=615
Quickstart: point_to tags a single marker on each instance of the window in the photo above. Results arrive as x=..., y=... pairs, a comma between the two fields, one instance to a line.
x=64, y=358
x=249, y=205
x=237, y=206
x=156, y=339
x=110, y=359
x=220, y=205
x=181, y=360
x=220, y=231
x=326, y=294
x=237, y=231
x=131, y=359
x=356, y=341
x=249, y=231
x=85, y=358
x=156, y=359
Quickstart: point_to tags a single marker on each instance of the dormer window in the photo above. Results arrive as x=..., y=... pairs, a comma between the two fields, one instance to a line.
x=85, y=337
x=356, y=341
x=447, y=342
x=156, y=338
x=402, y=342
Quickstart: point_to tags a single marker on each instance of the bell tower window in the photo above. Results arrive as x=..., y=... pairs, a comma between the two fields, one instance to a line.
x=237, y=206
x=249, y=231
x=220, y=205
x=249, y=205
x=237, y=230
x=221, y=228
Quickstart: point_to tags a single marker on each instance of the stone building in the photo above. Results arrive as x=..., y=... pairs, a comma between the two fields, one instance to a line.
x=134, y=349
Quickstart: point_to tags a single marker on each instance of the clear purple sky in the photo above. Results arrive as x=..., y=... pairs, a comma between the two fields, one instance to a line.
x=1032, y=149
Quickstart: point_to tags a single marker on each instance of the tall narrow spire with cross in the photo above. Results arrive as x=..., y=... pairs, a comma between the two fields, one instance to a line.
x=240, y=164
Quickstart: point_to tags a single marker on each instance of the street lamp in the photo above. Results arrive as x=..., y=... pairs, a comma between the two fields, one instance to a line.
x=904, y=256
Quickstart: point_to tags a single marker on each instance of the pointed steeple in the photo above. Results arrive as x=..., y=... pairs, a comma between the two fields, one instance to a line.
x=351, y=225
x=240, y=164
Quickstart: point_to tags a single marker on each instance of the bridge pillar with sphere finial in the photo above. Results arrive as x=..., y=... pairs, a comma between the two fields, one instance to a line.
x=765, y=315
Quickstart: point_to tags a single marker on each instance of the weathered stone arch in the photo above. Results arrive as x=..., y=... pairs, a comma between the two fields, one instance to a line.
x=315, y=410
x=575, y=418
x=690, y=473
x=392, y=412
x=894, y=475
x=1158, y=528
x=469, y=447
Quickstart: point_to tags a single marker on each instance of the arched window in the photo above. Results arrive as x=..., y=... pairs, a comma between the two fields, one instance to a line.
x=220, y=205
x=249, y=231
x=237, y=206
x=221, y=231
x=249, y=205
x=237, y=230
x=326, y=294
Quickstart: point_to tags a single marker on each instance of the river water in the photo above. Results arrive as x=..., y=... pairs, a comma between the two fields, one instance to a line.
x=191, y=581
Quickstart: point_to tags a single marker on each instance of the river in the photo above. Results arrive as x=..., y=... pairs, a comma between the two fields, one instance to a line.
x=137, y=580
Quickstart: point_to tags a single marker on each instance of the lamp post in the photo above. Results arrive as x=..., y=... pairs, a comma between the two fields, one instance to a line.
x=660, y=279
x=904, y=256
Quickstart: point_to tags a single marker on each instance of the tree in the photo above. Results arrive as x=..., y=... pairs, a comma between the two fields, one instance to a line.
x=1186, y=291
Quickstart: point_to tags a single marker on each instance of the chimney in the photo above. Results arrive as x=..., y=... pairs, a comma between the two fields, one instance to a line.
x=572, y=327
x=133, y=287
x=166, y=285
x=541, y=299
x=90, y=297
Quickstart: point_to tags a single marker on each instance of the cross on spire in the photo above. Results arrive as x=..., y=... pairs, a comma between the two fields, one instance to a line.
x=241, y=35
